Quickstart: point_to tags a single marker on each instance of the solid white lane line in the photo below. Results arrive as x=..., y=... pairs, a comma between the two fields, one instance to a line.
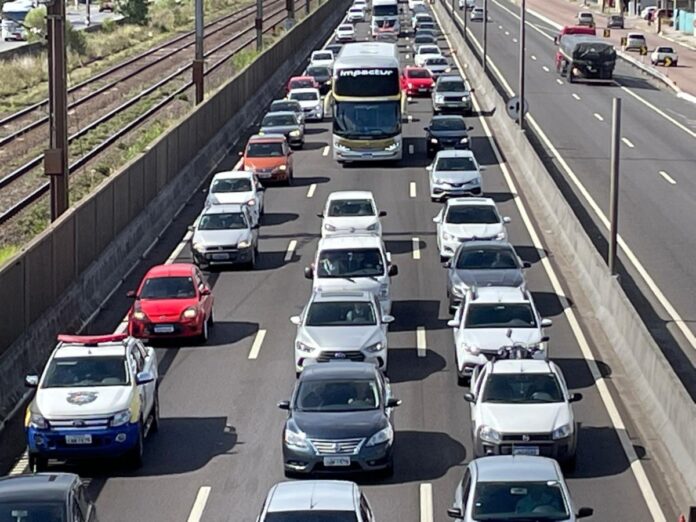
x=325, y=152
x=416, y=247
x=660, y=112
x=291, y=250
x=310, y=191
x=426, y=502
x=408, y=56
x=199, y=504
x=598, y=116
x=628, y=142
x=669, y=178
x=636, y=464
x=507, y=33
x=421, y=343
x=21, y=465
x=559, y=81
x=175, y=253
x=412, y=189
x=546, y=69
x=533, y=57
x=256, y=345
x=576, y=96
x=410, y=149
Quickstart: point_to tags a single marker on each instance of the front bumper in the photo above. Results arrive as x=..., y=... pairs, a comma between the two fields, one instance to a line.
x=372, y=458
x=222, y=257
x=452, y=106
x=52, y=443
x=366, y=155
x=418, y=91
x=561, y=449
x=272, y=176
x=441, y=191
x=165, y=329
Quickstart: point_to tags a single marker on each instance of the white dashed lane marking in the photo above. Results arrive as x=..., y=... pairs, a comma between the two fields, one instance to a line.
x=199, y=504
x=291, y=250
x=668, y=178
x=546, y=69
x=325, y=152
x=416, y=247
x=412, y=189
x=598, y=116
x=256, y=345
x=576, y=96
x=310, y=191
x=421, y=342
x=426, y=502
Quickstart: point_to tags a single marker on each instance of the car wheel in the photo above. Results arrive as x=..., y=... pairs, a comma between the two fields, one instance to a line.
x=37, y=464
x=135, y=456
x=203, y=338
x=155, y=414
x=252, y=262
x=290, y=179
x=570, y=464
x=388, y=472
x=291, y=474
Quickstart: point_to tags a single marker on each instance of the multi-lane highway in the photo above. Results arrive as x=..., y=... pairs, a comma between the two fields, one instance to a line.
x=658, y=152
x=218, y=450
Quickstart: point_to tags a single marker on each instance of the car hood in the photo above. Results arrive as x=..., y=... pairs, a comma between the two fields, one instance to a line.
x=340, y=337
x=456, y=176
x=57, y=403
x=220, y=237
x=469, y=231
x=453, y=93
x=449, y=134
x=339, y=425
x=229, y=198
x=524, y=418
x=278, y=129
x=351, y=223
x=264, y=163
x=495, y=277
x=308, y=104
x=491, y=339
x=157, y=309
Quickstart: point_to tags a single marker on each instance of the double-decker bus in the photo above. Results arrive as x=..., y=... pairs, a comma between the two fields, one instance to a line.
x=367, y=100
x=385, y=18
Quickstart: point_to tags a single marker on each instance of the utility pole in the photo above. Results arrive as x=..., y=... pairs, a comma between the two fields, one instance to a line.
x=198, y=61
x=258, y=23
x=485, y=36
x=466, y=19
x=523, y=34
x=56, y=156
x=88, y=20
x=614, y=188
x=306, y=6
x=290, y=4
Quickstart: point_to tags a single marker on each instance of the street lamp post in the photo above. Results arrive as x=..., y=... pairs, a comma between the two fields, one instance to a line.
x=485, y=35
x=198, y=62
x=523, y=12
x=614, y=185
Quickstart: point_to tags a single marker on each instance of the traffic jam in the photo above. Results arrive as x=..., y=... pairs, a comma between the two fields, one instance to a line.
x=98, y=396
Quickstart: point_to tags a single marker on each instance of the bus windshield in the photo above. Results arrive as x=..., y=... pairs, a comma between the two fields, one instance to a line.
x=367, y=82
x=385, y=10
x=367, y=120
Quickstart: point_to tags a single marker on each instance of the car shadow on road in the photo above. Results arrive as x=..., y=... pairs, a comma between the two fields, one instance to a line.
x=499, y=197
x=230, y=332
x=314, y=145
x=635, y=82
x=530, y=254
x=549, y=304
x=403, y=246
x=314, y=130
x=599, y=453
x=406, y=366
x=309, y=180
x=576, y=372
x=427, y=312
x=270, y=219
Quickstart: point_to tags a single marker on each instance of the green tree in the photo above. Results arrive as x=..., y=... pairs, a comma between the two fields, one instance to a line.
x=135, y=11
x=35, y=22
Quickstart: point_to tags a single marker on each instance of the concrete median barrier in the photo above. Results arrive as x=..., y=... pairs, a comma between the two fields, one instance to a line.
x=651, y=383
x=60, y=280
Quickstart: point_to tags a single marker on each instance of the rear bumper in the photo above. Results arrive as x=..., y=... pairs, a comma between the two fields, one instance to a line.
x=223, y=257
x=561, y=450
x=150, y=330
x=110, y=442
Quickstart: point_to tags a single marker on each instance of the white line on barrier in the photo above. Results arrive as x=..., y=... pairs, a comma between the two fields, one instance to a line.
x=291, y=250
x=628, y=142
x=533, y=57
x=546, y=69
x=310, y=191
x=412, y=189
x=669, y=178
x=576, y=96
x=199, y=504
x=256, y=345
x=421, y=342
x=416, y=247
x=598, y=116
x=410, y=149
x=325, y=152
x=559, y=81
x=426, y=502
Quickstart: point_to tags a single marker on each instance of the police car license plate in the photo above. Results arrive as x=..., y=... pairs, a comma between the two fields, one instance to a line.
x=336, y=461
x=164, y=328
x=220, y=257
x=78, y=439
x=526, y=450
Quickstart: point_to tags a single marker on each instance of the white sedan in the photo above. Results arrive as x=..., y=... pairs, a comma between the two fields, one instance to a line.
x=424, y=52
x=322, y=58
x=310, y=101
x=356, y=14
x=351, y=212
x=240, y=187
x=345, y=33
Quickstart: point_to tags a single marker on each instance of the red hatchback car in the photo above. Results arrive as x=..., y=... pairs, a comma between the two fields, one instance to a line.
x=416, y=80
x=301, y=82
x=172, y=301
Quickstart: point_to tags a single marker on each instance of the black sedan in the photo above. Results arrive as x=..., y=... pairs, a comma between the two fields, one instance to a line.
x=322, y=75
x=339, y=420
x=446, y=132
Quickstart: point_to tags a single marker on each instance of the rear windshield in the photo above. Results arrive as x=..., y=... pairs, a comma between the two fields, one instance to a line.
x=286, y=106
x=316, y=70
x=326, y=56
x=428, y=49
x=418, y=73
x=351, y=208
x=304, y=96
x=473, y=215
x=301, y=84
x=231, y=185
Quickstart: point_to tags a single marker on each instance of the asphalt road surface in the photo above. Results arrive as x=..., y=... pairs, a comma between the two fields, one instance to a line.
x=219, y=447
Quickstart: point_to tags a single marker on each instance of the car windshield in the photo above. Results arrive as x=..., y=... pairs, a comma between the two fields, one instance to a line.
x=451, y=86
x=222, y=221
x=351, y=208
x=500, y=315
x=428, y=49
x=74, y=372
x=665, y=50
x=448, y=124
x=435, y=61
x=231, y=185
x=332, y=313
x=301, y=84
x=365, y=262
x=265, y=150
x=168, y=288
x=471, y=215
x=304, y=96
x=34, y=511
x=537, y=501
x=311, y=516
x=482, y=259
x=278, y=120
x=418, y=73
x=367, y=120
x=452, y=164
x=325, y=56
x=337, y=395
x=522, y=388
x=316, y=70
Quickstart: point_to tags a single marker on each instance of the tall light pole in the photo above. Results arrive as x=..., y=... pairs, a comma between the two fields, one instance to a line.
x=198, y=61
x=259, y=25
x=614, y=186
x=56, y=156
x=523, y=12
x=485, y=35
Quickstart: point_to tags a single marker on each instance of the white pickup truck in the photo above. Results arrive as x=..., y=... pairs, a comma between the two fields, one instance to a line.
x=666, y=56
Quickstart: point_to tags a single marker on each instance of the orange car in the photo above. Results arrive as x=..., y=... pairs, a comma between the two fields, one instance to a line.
x=269, y=157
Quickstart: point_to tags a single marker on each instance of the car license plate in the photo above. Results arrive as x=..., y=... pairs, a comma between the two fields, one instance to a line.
x=336, y=461
x=526, y=450
x=164, y=328
x=264, y=174
x=220, y=257
x=422, y=89
x=78, y=439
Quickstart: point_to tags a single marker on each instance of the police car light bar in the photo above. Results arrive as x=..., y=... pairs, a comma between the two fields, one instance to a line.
x=91, y=340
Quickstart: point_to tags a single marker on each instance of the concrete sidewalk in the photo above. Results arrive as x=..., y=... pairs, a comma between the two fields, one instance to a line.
x=681, y=78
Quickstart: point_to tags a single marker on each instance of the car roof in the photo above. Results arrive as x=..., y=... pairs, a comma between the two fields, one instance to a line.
x=439, y=117
x=234, y=174
x=305, y=89
x=470, y=202
x=428, y=46
x=518, y=468
x=346, y=26
x=455, y=153
x=319, y=495
x=223, y=209
x=92, y=346
x=337, y=369
x=350, y=194
x=333, y=295
x=38, y=487
x=486, y=244
x=319, y=51
x=500, y=294
x=350, y=241
x=635, y=35
x=280, y=113
x=516, y=366
x=415, y=67
x=266, y=138
x=450, y=77
x=172, y=270
x=285, y=100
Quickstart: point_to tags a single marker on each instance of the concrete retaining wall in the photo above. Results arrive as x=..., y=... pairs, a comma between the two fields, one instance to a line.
x=58, y=281
x=663, y=399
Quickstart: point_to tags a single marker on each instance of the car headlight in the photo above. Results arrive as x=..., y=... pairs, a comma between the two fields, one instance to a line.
x=433, y=140
x=282, y=167
x=439, y=98
x=465, y=97
x=459, y=289
x=373, y=227
x=410, y=85
x=488, y=434
x=329, y=227
x=562, y=432
x=295, y=439
x=198, y=247
x=500, y=236
x=464, y=140
x=36, y=420
x=383, y=291
x=438, y=181
x=392, y=147
x=302, y=347
x=295, y=133
x=190, y=313
x=447, y=237
x=376, y=347
x=317, y=108
x=245, y=243
x=139, y=315
x=121, y=418
x=382, y=436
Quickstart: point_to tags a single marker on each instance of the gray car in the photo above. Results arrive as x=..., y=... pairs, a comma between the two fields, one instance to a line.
x=482, y=263
x=451, y=94
x=339, y=420
x=286, y=105
x=286, y=123
x=322, y=75
x=225, y=235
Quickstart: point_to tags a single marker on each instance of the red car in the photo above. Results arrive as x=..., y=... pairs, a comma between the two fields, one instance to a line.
x=301, y=82
x=172, y=301
x=416, y=80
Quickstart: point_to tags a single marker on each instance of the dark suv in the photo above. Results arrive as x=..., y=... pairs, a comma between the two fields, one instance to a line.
x=45, y=497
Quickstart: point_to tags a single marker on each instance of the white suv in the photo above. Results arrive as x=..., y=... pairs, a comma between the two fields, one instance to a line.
x=493, y=317
x=350, y=212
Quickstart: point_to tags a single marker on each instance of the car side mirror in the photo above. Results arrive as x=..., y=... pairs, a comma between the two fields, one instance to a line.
x=261, y=189
x=308, y=272
x=526, y=264
x=453, y=323
x=437, y=219
x=585, y=512
x=575, y=397
x=469, y=397
x=555, y=40
x=447, y=264
x=471, y=127
x=472, y=89
x=131, y=294
x=284, y=405
x=544, y=339
x=382, y=213
x=426, y=129
x=295, y=319
x=455, y=513
x=205, y=291
x=190, y=228
x=144, y=378
x=31, y=381
x=429, y=167
x=386, y=319
x=320, y=216
x=546, y=322
x=482, y=168
x=393, y=270
x=393, y=403
x=506, y=219
x=255, y=226
x=240, y=153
